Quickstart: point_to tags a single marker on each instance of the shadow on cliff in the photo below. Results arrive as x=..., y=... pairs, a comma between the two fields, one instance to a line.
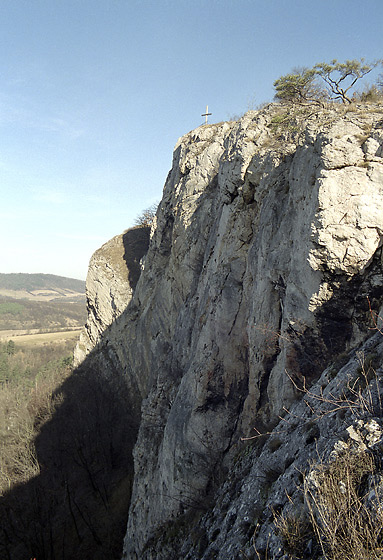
x=136, y=243
x=76, y=508
x=346, y=315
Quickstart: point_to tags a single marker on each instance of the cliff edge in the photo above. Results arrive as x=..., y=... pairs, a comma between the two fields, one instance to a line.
x=264, y=265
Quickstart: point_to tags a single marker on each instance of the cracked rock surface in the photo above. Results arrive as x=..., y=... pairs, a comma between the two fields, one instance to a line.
x=266, y=245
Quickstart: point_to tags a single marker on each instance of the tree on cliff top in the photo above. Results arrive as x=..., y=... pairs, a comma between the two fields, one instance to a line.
x=339, y=77
x=299, y=86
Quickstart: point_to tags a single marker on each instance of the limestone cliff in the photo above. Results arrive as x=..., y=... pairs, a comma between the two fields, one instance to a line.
x=264, y=259
x=113, y=273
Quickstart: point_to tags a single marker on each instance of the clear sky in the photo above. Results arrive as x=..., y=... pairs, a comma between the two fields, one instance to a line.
x=95, y=93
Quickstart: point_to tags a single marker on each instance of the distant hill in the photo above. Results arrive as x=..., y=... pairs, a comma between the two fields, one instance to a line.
x=40, y=287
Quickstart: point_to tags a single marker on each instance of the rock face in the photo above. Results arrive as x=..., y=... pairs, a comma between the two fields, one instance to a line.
x=262, y=508
x=113, y=273
x=261, y=270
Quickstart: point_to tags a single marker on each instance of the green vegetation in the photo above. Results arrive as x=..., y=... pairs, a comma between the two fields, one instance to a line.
x=341, y=77
x=299, y=86
x=286, y=121
x=306, y=85
x=66, y=437
x=11, y=308
x=288, y=124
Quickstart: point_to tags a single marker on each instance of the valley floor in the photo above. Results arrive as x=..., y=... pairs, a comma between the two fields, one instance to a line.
x=33, y=336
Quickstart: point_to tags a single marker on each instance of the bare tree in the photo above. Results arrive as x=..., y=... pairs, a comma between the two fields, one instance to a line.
x=146, y=218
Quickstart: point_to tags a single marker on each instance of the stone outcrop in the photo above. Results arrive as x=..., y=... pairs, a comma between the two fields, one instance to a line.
x=263, y=263
x=113, y=273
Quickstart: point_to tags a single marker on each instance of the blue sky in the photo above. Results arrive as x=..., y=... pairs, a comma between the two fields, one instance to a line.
x=95, y=93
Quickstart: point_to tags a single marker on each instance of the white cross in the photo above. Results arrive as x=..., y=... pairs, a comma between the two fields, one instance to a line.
x=206, y=114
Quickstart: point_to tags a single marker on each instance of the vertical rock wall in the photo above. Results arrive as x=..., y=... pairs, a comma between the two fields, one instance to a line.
x=266, y=246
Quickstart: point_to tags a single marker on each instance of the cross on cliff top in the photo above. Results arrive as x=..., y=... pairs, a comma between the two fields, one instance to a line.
x=206, y=114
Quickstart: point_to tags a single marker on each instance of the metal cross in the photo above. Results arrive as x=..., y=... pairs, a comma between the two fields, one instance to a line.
x=206, y=114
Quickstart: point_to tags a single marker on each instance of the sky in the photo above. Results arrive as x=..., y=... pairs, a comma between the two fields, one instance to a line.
x=94, y=95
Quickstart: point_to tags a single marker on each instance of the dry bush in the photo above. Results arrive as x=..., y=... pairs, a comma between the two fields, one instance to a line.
x=17, y=453
x=370, y=93
x=359, y=395
x=43, y=400
x=294, y=531
x=20, y=420
x=348, y=523
x=146, y=218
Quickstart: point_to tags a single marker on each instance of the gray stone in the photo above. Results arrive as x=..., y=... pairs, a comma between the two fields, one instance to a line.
x=266, y=245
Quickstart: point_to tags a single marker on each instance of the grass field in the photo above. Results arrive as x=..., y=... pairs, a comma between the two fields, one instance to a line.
x=26, y=338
